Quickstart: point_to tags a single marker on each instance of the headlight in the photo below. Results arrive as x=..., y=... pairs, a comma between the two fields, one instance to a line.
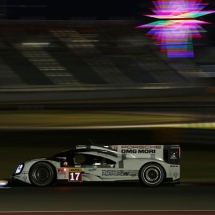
x=3, y=183
x=19, y=169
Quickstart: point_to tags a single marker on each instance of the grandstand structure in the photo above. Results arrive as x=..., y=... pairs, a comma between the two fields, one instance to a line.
x=92, y=54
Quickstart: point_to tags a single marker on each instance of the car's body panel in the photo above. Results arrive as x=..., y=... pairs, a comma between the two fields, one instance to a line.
x=122, y=162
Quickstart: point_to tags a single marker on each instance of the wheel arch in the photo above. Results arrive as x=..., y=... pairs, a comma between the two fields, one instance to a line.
x=42, y=161
x=153, y=162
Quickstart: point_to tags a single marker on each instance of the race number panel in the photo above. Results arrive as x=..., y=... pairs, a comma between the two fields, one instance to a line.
x=75, y=175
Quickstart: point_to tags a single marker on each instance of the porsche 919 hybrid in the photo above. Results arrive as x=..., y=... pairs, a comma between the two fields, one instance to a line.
x=151, y=165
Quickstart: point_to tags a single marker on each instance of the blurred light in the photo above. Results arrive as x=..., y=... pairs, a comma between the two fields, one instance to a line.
x=84, y=41
x=177, y=25
x=3, y=182
x=19, y=168
x=35, y=44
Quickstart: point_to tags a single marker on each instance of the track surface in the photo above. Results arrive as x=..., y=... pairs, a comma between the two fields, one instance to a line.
x=107, y=197
x=116, y=213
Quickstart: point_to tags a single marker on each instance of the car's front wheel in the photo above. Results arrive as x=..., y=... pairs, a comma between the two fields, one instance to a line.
x=151, y=174
x=42, y=174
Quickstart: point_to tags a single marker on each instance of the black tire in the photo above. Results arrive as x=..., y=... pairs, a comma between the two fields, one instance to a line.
x=151, y=175
x=42, y=174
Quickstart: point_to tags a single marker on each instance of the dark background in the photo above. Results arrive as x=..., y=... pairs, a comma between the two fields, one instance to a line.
x=70, y=9
x=88, y=9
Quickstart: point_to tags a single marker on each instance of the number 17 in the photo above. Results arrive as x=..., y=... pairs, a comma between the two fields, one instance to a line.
x=74, y=176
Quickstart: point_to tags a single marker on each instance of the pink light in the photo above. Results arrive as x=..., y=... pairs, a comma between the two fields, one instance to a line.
x=177, y=26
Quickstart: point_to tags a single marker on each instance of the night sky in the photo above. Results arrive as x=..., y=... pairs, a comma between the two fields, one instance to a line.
x=69, y=9
x=66, y=9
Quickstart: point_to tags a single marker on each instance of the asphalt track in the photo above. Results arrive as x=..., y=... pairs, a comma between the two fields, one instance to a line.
x=115, y=213
x=107, y=197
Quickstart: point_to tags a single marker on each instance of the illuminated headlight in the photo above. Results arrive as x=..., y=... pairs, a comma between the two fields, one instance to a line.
x=3, y=183
x=19, y=169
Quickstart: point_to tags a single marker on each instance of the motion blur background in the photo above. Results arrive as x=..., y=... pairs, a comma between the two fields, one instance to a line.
x=68, y=64
x=94, y=45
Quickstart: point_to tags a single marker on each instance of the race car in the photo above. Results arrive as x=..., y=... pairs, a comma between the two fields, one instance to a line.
x=151, y=165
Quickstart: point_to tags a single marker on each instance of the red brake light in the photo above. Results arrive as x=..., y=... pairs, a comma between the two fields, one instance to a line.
x=179, y=152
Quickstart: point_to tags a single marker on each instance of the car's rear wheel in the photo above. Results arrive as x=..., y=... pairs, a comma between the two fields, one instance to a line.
x=42, y=174
x=151, y=174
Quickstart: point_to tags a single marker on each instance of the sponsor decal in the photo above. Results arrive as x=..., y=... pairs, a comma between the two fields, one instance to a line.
x=175, y=147
x=148, y=149
x=92, y=169
x=75, y=169
x=140, y=147
x=133, y=151
x=114, y=173
x=117, y=173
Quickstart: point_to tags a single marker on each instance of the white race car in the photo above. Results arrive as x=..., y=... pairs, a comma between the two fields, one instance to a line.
x=151, y=165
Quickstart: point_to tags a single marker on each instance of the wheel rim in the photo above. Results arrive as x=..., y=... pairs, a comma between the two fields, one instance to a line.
x=152, y=175
x=42, y=175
